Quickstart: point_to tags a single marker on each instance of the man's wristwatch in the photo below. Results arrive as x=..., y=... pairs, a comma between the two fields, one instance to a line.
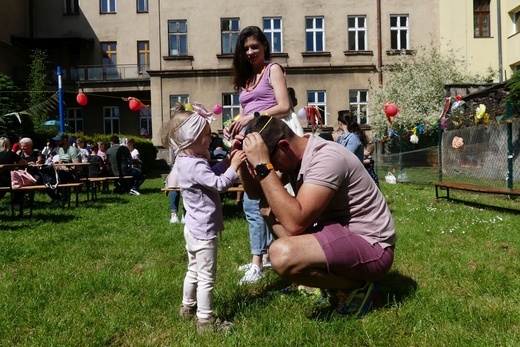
x=262, y=169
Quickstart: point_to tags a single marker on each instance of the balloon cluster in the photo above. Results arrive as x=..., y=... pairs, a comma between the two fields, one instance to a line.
x=313, y=116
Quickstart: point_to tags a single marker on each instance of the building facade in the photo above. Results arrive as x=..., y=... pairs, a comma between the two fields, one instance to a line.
x=162, y=51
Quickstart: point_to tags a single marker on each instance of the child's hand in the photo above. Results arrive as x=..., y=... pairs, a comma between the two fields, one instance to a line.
x=237, y=158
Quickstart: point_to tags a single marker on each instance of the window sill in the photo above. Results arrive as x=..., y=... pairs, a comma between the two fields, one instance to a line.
x=225, y=56
x=401, y=52
x=178, y=57
x=316, y=54
x=279, y=55
x=349, y=53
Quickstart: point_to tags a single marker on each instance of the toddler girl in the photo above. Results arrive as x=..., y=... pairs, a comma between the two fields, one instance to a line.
x=201, y=185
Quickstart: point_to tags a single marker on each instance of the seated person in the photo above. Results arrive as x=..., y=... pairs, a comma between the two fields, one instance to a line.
x=216, y=147
x=8, y=157
x=120, y=161
x=337, y=232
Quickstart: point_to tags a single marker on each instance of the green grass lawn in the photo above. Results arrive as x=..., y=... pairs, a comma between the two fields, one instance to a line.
x=110, y=272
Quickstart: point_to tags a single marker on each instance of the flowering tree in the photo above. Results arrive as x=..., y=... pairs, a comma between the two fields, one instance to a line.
x=416, y=85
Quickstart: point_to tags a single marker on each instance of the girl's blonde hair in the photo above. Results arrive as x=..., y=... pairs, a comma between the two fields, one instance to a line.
x=5, y=144
x=178, y=114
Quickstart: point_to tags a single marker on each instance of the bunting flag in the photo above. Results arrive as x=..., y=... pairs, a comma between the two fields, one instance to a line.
x=42, y=109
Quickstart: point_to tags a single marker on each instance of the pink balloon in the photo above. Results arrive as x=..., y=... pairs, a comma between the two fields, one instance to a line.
x=217, y=109
x=302, y=113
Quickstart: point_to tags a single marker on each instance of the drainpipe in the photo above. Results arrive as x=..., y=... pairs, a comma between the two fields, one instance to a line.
x=379, y=45
x=499, y=34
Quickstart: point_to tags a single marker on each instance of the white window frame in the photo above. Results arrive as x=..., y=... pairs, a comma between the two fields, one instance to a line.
x=230, y=36
x=111, y=6
x=112, y=115
x=74, y=119
x=516, y=22
x=357, y=31
x=314, y=33
x=175, y=98
x=145, y=122
x=142, y=6
x=230, y=106
x=398, y=30
x=358, y=104
x=313, y=99
x=272, y=32
x=179, y=37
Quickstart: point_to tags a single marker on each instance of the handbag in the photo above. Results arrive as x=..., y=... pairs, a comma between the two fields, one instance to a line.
x=49, y=176
x=20, y=178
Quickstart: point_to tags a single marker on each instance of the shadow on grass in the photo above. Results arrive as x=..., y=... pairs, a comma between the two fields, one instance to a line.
x=484, y=206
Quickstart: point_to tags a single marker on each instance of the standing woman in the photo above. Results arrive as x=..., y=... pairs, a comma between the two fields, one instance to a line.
x=353, y=136
x=262, y=89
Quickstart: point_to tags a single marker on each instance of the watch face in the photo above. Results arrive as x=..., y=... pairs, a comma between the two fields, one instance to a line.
x=261, y=170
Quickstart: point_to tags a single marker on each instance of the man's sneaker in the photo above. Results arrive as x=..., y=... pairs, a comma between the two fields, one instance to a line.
x=266, y=264
x=187, y=312
x=134, y=192
x=174, y=219
x=358, y=301
x=318, y=295
x=212, y=325
x=253, y=275
x=182, y=220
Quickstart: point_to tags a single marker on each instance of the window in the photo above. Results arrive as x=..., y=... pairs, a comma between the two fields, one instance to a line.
x=516, y=22
x=178, y=98
x=109, y=58
x=178, y=37
x=229, y=31
x=74, y=119
x=111, y=120
x=357, y=33
x=71, y=7
x=145, y=122
x=273, y=31
x=230, y=107
x=143, y=56
x=358, y=101
x=142, y=6
x=481, y=18
x=107, y=6
x=318, y=98
x=314, y=34
x=399, y=38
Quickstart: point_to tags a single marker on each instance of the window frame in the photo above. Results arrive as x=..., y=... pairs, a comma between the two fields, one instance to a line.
x=322, y=105
x=143, y=53
x=358, y=104
x=398, y=30
x=272, y=32
x=230, y=106
x=145, y=122
x=114, y=117
x=175, y=98
x=179, y=36
x=229, y=35
x=73, y=117
x=357, y=30
x=314, y=33
x=108, y=4
x=142, y=6
x=480, y=16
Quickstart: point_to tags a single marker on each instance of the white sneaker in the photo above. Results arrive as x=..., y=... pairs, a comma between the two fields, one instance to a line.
x=182, y=220
x=134, y=192
x=174, y=219
x=253, y=275
x=266, y=264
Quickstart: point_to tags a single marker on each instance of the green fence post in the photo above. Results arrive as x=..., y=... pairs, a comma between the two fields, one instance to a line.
x=439, y=147
x=509, y=123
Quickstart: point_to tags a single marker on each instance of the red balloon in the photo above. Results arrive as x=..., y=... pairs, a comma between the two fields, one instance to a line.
x=81, y=99
x=135, y=105
x=390, y=109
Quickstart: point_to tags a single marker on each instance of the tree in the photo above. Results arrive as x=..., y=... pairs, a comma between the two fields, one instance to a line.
x=39, y=87
x=416, y=85
x=11, y=101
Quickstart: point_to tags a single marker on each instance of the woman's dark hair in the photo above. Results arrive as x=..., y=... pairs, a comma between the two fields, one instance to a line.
x=242, y=69
x=346, y=117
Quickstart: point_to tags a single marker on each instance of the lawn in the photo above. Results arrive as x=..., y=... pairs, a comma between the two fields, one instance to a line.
x=110, y=272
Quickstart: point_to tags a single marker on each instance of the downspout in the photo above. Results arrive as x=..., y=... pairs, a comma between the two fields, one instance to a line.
x=379, y=45
x=499, y=34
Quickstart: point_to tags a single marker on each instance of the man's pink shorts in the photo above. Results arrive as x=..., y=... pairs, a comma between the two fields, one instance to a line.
x=352, y=256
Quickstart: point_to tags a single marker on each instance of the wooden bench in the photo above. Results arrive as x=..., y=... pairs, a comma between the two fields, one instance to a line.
x=230, y=190
x=472, y=188
x=92, y=183
x=42, y=188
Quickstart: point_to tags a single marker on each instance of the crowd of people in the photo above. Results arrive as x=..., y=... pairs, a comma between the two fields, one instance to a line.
x=117, y=160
